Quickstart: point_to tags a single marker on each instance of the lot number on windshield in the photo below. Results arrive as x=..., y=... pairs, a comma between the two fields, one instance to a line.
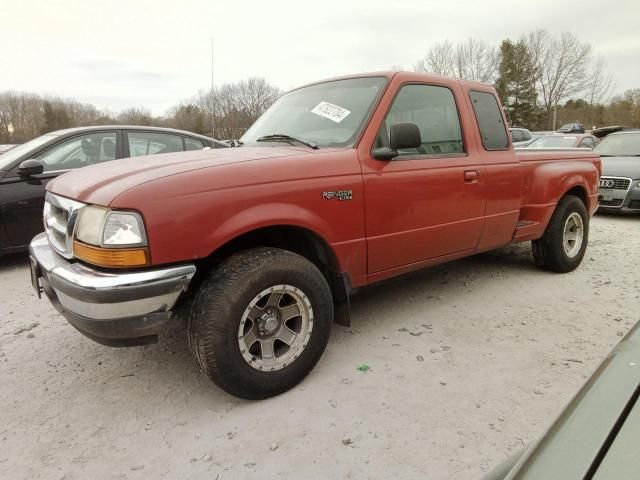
x=330, y=111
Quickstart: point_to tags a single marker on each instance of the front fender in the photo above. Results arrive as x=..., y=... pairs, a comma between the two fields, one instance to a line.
x=267, y=215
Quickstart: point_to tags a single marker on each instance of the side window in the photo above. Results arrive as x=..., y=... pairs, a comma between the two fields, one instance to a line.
x=193, y=144
x=152, y=143
x=526, y=135
x=80, y=151
x=489, y=117
x=587, y=142
x=433, y=110
x=517, y=136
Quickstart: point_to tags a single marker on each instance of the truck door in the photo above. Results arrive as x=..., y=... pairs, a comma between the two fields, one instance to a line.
x=428, y=202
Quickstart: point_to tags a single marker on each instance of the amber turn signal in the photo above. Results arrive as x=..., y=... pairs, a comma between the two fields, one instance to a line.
x=111, y=257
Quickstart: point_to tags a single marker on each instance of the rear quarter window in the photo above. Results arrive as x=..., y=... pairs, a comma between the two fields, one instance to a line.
x=489, y=118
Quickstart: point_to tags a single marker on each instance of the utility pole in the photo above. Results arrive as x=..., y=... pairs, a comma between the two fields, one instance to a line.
x=211, y=94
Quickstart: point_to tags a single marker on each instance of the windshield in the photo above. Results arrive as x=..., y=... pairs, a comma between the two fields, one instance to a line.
x=9, y=157
x=553, y=141
x=622, y=145
x=329, y=114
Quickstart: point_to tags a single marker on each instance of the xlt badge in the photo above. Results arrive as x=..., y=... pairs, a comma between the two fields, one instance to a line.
x=340, y=195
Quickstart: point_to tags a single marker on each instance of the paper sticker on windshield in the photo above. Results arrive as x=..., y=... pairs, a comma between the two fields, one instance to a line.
x=330, y=111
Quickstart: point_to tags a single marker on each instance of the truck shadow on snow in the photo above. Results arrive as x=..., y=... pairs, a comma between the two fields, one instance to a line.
x=169, y=362
x=450, y=278
x=169, y=367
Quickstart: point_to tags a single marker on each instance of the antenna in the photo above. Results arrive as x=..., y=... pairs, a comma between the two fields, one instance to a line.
x=211, y=94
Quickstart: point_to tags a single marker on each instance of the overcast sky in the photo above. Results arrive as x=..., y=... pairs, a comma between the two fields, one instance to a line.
x=154, y=53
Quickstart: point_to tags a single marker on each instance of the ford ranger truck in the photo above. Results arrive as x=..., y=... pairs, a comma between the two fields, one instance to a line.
x=340, y=184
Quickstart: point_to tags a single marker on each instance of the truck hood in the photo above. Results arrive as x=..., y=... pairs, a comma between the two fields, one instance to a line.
x=101, y=183
x=621, y=167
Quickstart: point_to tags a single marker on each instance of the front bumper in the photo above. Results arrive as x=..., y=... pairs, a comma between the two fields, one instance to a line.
x=112, y=308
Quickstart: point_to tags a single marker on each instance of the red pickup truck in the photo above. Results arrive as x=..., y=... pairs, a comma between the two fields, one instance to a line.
x=340, y=184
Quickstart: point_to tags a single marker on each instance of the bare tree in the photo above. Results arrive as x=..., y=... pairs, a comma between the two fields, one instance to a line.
x=236, y=105
x=135, y=116
x=537, y=44
x=599, y=86
x=476, y=60
x=470, y=60
x=439, y=59
x=562, y=64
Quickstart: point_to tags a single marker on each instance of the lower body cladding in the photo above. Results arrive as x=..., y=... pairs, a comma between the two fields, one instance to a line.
x=625, y=198
x=115, y=309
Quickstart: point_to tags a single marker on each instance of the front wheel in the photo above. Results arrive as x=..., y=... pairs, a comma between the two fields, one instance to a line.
x=260, y=322
x=564, y=242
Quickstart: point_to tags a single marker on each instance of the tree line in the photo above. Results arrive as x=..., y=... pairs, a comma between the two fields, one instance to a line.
x=235, y=106
x=543, y=81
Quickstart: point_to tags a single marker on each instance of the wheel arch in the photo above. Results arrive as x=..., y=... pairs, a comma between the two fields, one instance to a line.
x=579, y=191
x=297, y=239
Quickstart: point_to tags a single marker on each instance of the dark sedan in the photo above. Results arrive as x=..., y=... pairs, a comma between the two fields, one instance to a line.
x=26, y=169
x=575, y=127
x=620, y=180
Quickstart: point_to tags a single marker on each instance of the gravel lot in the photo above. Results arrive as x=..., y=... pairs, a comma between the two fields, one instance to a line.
x=469, y=361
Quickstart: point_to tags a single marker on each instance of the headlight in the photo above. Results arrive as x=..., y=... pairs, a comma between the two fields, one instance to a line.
x=110, y=238
x=90, y=223
x=123, y=229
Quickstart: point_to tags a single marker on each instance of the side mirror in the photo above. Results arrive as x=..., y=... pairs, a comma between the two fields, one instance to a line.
x=401, y=135
x=404, y=135
x=30, y=167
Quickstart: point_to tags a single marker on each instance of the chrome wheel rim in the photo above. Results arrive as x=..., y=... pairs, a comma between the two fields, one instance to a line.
x=275, y=328
x=573, y=235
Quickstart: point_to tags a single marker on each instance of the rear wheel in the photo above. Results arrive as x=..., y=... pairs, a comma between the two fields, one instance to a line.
x=563, y=245
x=260, y=322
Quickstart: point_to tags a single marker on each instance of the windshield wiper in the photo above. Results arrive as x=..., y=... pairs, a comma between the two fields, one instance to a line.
x=283, y=137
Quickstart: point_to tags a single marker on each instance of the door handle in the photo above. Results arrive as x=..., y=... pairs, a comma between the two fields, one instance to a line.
x=471, y=176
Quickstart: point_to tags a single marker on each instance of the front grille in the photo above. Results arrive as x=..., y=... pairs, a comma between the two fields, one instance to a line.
x=59, y=221
x=610, y=203
x=615, y=183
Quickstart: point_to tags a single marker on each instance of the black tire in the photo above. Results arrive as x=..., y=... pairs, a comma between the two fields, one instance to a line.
x=548, y=251
x=220, y=303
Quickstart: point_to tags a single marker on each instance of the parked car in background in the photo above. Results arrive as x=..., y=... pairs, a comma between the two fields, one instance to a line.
x=338, y=185
x=520, y=136
x=564, y=141
x=596, y=436
x=26, y=169
x=620, y=179
x=575, y=127
x=6, y=147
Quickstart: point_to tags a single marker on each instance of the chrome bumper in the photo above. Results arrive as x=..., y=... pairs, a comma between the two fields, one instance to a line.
x=103, y=305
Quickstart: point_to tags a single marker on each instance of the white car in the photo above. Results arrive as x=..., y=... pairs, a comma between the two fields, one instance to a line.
x=520, y=136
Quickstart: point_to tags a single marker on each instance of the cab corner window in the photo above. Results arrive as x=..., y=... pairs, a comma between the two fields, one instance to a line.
x=433, y=109
x=80, y=151
x=152, y=143
x=490, y=122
